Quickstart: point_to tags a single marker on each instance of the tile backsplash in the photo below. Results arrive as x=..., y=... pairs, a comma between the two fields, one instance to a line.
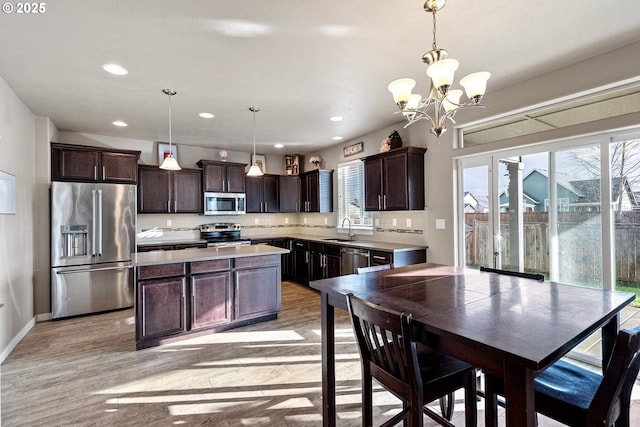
x=406, y=227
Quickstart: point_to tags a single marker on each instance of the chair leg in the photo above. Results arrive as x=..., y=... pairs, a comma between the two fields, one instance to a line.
x=490, y=402
x=446, y=406
x=470, y=401
x=367, y=400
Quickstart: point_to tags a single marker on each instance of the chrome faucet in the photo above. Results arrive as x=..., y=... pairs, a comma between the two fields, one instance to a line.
x=351, y=235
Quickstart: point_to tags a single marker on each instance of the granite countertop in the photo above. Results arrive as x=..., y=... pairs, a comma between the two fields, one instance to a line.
x=201, y=254
x=363, y=244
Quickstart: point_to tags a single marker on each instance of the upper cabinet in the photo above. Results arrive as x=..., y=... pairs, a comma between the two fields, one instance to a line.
x=289, y=188
x=316, y=191
x=394, y=180
x=92, y=164
x=161, y=191
x=222, y=177
x=262, y=194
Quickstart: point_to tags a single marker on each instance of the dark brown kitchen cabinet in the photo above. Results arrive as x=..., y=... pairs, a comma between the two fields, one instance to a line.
x=324, y=260
x=161, y=191
x=161, y=301
x=394, y=180
x=210, y=294
x=262, y=194
x=316, y=191
x=257, y=286
x=300, y=258
x=222, y=177
x=289, y=197
x=92, y=164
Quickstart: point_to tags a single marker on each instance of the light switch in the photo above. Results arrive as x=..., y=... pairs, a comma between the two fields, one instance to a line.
x=169, y=223
x=394, y=222
x=408, y=222
x=377, y=222
x=440, y=224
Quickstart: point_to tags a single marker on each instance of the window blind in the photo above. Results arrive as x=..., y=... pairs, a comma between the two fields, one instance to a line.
x=351, y=195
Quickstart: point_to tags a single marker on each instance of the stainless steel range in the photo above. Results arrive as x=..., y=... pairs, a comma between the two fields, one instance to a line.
x=223, y=234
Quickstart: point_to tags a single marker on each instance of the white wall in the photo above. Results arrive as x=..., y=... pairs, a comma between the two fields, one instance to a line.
x=17, y=145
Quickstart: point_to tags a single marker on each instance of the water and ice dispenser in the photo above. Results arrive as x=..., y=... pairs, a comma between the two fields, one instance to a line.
x=74, y=240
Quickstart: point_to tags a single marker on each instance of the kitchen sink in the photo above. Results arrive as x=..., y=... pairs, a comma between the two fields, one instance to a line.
x=337, y=240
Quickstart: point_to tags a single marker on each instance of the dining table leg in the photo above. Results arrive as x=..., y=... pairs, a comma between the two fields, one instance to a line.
x=327, y=317
x=519, y=395
x=609, y=333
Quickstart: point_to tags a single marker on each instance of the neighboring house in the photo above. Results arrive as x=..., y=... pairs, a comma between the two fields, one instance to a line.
x=475, y=204
x=572, y=195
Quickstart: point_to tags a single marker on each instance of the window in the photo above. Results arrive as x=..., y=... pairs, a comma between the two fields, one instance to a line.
x=351, y=195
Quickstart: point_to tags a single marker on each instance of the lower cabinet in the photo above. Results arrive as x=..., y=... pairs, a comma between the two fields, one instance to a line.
x=223, y=294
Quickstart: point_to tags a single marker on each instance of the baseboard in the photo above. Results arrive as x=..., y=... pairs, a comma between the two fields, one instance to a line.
x=16, y=340
x=43, y=317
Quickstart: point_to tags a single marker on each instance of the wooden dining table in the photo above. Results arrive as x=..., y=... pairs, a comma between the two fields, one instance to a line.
x=510, y=327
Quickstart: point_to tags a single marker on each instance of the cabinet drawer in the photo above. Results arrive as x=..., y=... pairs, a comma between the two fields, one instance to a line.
x=381, y=258
x=160, y=270
x=257, y=261
x=210, y=266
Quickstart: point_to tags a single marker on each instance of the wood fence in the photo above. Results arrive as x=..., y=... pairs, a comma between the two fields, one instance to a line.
x=580, y=244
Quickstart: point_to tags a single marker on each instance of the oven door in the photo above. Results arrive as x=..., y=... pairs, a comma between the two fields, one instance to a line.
x=224, y=203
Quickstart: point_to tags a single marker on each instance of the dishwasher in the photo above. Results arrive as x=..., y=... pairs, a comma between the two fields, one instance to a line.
x=352, y=258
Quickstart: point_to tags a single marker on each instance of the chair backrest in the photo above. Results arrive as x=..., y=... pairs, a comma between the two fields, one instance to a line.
x=385, y=342
x=612, y=398
x=362, y=270
x=534, y=276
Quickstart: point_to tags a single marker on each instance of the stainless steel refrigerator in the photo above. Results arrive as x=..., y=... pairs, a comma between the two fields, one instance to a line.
x=93, y=232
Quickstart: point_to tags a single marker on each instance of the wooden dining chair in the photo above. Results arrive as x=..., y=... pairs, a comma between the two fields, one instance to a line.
x=362, y=270
x=412, y=372
x=534, y=276
x=581, y=398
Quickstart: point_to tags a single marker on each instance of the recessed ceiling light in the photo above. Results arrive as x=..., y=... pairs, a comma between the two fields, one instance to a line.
x=337, y=138
x=278, y=145
x=120, y=123
x=206, y=115
x=115, y=69
x=336, y=119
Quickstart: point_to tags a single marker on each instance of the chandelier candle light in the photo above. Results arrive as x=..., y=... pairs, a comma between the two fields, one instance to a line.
x=441, y=70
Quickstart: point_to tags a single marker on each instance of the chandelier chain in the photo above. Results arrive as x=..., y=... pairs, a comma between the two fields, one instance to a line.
x=434, y=45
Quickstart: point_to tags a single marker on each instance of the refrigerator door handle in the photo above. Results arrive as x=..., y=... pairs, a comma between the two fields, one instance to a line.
x=93, y=215
x=99, y=222
x=85, y=270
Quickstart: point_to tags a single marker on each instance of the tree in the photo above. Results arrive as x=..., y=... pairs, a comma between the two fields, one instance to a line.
x=625, y=163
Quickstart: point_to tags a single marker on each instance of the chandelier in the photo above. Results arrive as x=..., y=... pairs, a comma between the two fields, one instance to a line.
x=445, y=102
x=170, y=163
x=254, y=170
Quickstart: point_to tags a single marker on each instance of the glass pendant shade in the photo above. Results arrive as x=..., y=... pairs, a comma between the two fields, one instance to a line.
x=475, y=84
x=452, y=101
x=170, y=163
x=401, y=90
x=254, y=170
x=442, y=73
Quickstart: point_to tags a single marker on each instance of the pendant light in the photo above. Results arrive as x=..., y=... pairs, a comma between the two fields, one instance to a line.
x=254, y=170
x=170, y=163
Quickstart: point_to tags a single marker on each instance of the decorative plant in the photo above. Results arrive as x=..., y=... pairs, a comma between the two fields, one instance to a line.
x=385, y=145
x=315, y=160
x=223, y=154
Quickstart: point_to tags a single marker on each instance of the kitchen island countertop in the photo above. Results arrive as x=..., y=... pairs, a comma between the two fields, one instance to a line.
x=202, y=254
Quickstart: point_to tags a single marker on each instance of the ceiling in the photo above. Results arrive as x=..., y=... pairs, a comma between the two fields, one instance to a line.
x=301, y=62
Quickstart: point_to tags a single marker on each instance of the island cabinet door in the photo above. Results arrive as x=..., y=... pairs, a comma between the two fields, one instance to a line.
x=161, y=307
x=210, y=300
x=257, y=292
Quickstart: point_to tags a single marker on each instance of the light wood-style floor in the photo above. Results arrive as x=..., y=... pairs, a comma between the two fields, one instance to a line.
x=86, y=372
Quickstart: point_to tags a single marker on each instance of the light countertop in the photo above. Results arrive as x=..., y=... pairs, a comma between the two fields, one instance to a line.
x=202, y=254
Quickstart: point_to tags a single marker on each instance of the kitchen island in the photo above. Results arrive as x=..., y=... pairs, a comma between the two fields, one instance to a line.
x=185, y=293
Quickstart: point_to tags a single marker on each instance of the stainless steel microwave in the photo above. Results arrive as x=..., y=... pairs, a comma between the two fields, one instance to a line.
x=224, y=203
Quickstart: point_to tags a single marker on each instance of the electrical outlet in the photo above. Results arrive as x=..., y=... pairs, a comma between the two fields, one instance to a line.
x=394, y=222
x=286, y=220
x=326, y=221
x=408, y=222
x=440, y=224
x=377, y=222
x=256, y=221
x=169, y=223
x=304, y=220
